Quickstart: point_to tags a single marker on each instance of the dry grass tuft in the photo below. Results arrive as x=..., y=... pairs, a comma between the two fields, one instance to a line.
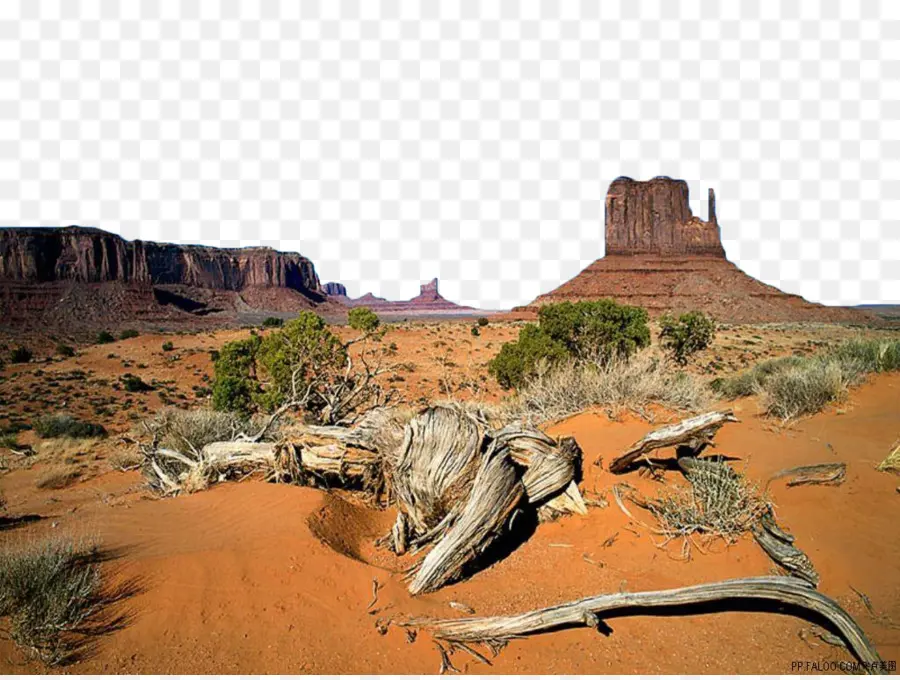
x=50, y=592
x=719, y=503
x=58, y=477
x=621, y=384
x=892, y=462
x=189, y=431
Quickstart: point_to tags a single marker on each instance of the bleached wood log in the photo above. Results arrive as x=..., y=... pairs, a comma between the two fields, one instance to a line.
x=588, y=611
x=690, y=435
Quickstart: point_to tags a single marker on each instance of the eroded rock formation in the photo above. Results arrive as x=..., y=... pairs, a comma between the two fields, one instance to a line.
x=335, y=289
x=428, y=302
x=655, y=218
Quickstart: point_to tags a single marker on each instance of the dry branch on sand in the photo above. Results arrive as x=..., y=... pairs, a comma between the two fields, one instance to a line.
x=457, y=481
x=892, y=462
x=828, y=474
x=497, y=630
x=690, y=437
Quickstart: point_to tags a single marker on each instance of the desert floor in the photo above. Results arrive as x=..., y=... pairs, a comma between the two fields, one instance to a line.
x=249, y=577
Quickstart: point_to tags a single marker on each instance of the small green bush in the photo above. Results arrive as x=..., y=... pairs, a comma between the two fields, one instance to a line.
x=750, y=382
x=65, y=350
x=129, y=333
x=595, y=330
x=689, y=334
x=518, y=361
x=363, y=319
x=235, y=386
x=105, y=337
x=64, y=425
x=167, y=346
x=20, y=355
x=807, y=388
x=272, y=322
x=475, y=331
x=133, y=383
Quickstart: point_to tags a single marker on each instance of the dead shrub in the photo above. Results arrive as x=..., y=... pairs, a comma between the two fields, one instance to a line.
x=189, y=431
x=621, y=384
x=718, y=502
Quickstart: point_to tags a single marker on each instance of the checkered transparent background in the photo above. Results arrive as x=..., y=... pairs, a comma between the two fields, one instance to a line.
x=392, y=142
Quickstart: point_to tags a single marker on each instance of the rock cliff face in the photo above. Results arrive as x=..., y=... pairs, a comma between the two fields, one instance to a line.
x=654, y=218
x=79, y=277
x=84, y=255
x=661, y=257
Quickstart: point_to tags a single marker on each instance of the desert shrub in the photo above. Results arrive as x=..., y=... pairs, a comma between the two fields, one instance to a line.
x=594, y=330
x=235, y=386
x=750, y=382
x=718, y=502
x=65, y=350
x=272, y=322
x=871, y=356
x=20, y=355
x=363, y=319
x=64, y=425
x=635, y=384
x=189, y=431
x=168, y=346
x=129, y=333
x=104, y=338
x=9, y=440
x=686, y=335
x=482, y=321
x=133, y=383
x=58, y=477
x=50, y=592
x=520, y=360
x=475, y=332
x=807, y=388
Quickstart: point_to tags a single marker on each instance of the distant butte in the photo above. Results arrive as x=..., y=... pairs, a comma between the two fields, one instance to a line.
x=662, y=257
x=429, y=302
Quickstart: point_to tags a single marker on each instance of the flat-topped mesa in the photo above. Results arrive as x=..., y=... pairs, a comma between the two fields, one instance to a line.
x=655, y=218
x=334, y=288
x=87, y=255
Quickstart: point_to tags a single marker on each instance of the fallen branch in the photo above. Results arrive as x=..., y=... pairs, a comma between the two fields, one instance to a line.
x=829, y=474
x=585, y=612
x=691, y=436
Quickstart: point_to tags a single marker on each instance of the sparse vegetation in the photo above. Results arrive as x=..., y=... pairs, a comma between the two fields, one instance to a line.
x=482, y=321
x=58, y=477
x=189, y=431
x=794, y=386
x=302, y=366
x=20, y=355
x=719, y=502
x=168, y=346
x=64, y=350
x=133, y=383
x=129, y=333
x=272, y=322
x=892, y=462
x=620, y=384
x=475, y=332
x=50, y=592
x=687, y=335
x=64, y=425
x=597, y=331
x=104, y=338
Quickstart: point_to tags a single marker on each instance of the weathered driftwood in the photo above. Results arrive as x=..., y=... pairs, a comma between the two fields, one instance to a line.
x=496, y=491
x=828, y=474
x=379, y=429
x=691, y=436
x=496, y=630
x=779, y=545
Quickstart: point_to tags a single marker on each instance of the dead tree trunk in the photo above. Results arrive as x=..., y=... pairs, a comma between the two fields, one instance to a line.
x=588, y=611
x=690, y=437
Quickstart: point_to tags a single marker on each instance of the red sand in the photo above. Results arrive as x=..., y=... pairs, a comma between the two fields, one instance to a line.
x=238, y=580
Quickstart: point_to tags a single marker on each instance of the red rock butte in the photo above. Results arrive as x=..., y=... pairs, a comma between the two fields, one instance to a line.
x=662, y=257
